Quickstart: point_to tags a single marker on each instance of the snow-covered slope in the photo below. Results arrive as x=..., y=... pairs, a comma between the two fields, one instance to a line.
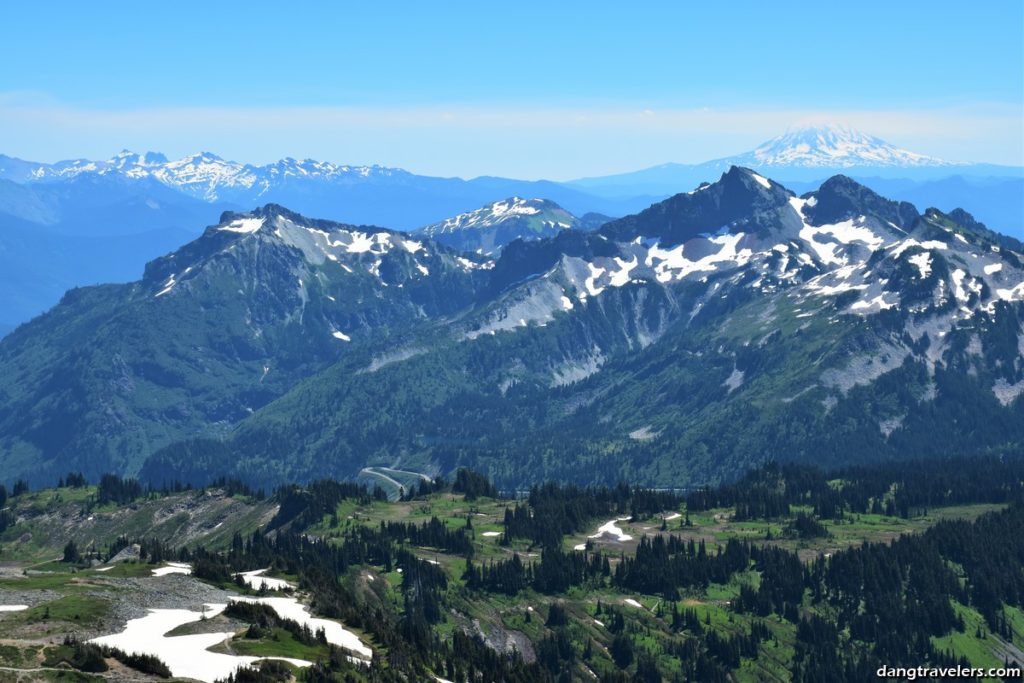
x=488, y=229
x=841, y=245
x=330, y=253
x=499, y=212
x=832, y=147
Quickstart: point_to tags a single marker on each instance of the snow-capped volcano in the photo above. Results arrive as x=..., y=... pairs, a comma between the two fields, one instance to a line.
x=804, y=156
x=832, y=147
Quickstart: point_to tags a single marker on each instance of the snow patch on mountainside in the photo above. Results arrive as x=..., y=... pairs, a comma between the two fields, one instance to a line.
x=168, y=286
x=244, y=225
x=498, y=213
x=513, y=207
x=834, y=235
x=343, y=245
x=898, y=249
x=673, y=264
x=881, y=302
x=1011, y=294
x=923, y=261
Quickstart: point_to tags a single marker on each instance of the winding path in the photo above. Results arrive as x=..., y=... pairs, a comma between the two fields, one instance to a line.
x=372, y=473
x=418, y=474
x=400, y=488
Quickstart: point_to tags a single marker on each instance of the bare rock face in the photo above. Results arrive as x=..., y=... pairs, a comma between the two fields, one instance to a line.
x=505, y=641
x=129, y=554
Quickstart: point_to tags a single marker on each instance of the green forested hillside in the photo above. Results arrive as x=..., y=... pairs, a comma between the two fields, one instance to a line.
x=212, y=333
x=719, y=329
x=787, y=574
x=661, y=415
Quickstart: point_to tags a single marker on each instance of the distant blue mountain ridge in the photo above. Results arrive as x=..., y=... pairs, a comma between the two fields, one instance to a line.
x=80, y=221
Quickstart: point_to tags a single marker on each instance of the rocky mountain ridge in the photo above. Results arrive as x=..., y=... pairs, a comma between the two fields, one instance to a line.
x=720, y=327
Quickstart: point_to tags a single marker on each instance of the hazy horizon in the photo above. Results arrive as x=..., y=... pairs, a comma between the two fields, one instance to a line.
x=525, y=90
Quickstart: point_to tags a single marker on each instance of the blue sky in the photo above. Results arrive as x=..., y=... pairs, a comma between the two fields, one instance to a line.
x=522, y=89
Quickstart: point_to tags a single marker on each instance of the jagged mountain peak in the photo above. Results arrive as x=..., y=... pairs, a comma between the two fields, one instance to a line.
x=841, y=243
x=975, y=227
x=746, y=178
x=841, y=198
x=340, y=250
x=272, y=210
x=739, y=195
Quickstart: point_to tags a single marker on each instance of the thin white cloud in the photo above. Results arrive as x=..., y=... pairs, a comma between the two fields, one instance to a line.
x=554, y=142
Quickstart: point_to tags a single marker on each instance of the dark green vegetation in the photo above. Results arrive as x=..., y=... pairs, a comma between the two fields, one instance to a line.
x=714, y=331
x=787, y=574
x=211, y=333
x=76, y=520
x=93, y=659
